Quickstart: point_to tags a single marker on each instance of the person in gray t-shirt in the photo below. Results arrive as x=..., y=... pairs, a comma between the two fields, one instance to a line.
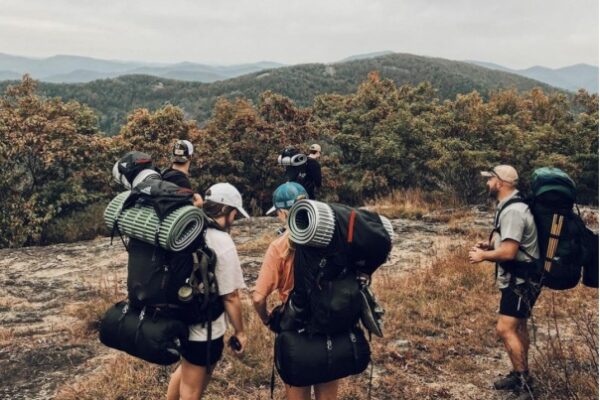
x=513, y=246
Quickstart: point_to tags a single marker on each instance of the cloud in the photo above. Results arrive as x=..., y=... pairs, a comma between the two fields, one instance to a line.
x=511, y=32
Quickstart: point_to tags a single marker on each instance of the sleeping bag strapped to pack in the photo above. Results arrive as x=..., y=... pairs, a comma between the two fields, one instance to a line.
x=327, y=286
x=133, y=168
x=303, y=359
x=566, y=244
x=141, y=334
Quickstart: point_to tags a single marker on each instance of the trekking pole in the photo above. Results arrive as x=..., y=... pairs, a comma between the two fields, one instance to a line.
x=556, y=227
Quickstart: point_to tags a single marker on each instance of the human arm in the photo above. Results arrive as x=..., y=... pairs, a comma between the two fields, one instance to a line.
x=259, y=301
x=507, y=251
x=233, y=308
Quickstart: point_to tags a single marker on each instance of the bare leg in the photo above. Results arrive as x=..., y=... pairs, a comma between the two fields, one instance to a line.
x=297, y=393
x=524, y=337
x=327, y=390
x=173, y=390
x=193, y=381
x=509, y=330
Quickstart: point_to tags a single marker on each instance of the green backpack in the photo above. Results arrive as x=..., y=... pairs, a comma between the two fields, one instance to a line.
x=567, y=246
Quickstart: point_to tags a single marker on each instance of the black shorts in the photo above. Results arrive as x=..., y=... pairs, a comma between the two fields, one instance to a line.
x=195, y=352
x=518, y=301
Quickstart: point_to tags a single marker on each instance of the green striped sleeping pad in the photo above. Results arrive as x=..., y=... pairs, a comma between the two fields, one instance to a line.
x=177, y=231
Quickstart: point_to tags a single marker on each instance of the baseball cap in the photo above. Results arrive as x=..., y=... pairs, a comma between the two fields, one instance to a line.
x=315, y=147
x=286, y=195
x=182, y=150
x=228, y=195
x=505, y=173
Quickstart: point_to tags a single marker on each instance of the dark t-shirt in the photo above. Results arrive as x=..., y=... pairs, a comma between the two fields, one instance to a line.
x=308, y=175
x=177, y=177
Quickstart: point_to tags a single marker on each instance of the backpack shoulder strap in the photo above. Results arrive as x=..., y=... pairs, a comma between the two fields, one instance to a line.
x=516, y=199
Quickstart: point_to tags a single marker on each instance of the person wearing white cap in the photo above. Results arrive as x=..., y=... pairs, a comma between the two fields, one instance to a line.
x=223, y=204
x=513, y=246
x=179, y=171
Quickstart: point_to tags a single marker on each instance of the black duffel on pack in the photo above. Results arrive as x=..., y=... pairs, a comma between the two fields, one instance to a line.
x=304, y=359
x=144, y=335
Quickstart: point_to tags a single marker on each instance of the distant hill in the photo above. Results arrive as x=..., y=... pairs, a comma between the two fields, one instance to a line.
x=571, y=78
x=114, y=98
x=74, y=69
x=366, y=56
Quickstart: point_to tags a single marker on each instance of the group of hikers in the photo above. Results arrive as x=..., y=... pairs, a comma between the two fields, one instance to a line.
x=512, y=246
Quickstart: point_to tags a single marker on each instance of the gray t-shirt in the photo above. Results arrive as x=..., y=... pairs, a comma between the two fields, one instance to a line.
x=516, y=223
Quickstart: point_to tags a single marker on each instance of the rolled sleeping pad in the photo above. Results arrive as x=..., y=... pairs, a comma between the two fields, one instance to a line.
x=362, y=235
x=303, y=359
x=311, y=223
x=176, y=232
x=156, y=340
x=389, y=228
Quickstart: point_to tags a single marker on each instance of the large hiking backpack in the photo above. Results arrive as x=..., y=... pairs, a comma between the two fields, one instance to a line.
x=566, y=245
x=330, y=282
x=175, y=285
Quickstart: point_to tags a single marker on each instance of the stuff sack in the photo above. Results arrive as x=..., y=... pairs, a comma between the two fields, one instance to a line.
x=134, y=168
x=153, y=339
x=303, y=359
x=174, y=285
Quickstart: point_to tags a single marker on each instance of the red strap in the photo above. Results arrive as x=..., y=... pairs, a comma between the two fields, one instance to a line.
x=351, y=226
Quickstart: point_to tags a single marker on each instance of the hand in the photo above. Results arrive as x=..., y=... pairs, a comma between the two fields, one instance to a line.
x=243, y=339
x=197, y=200
x=476, y=255
x=484, y=245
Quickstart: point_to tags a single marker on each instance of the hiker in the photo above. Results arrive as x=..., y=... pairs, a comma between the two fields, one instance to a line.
x=179, y=172
x=302, y=169
x=277, y=275
x=223, y=205
x=313, y=178
x=513, y=246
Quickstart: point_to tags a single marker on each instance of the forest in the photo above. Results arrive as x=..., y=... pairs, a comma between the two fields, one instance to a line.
x=55, y=158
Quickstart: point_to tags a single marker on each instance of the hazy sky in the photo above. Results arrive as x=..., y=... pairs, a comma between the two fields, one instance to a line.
x=514, y=33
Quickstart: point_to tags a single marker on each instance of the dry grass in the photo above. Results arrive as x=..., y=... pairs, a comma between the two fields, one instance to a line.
x=416, y=204
x=440, y=343
x=257, y=245
x=89, y=313
x=408, y=203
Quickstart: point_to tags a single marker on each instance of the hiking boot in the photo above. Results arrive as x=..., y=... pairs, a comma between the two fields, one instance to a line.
x=525, y=391
x=512, y=381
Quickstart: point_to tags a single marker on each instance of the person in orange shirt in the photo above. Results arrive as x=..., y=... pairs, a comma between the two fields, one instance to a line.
x=277, y=275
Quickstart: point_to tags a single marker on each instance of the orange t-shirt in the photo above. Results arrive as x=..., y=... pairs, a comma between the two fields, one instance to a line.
x=277, y=271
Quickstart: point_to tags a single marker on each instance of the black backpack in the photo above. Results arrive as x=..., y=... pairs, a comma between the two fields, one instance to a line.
x=566, y=245
x=328, y=282
x=180, y=285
